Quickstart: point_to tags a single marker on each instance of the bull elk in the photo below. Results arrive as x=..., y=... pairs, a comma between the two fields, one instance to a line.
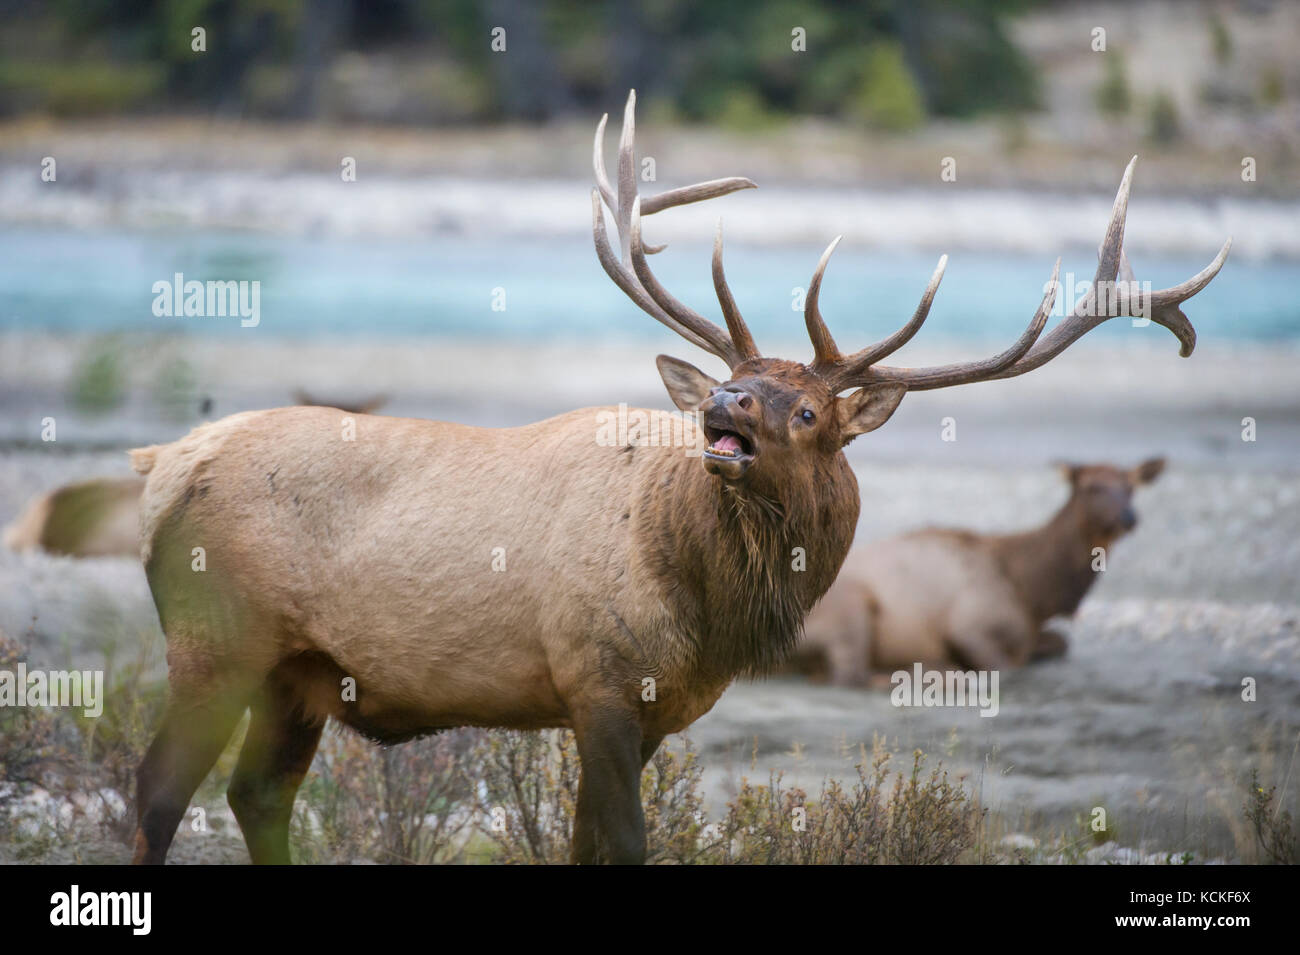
x=616, y=568
x=954, y=599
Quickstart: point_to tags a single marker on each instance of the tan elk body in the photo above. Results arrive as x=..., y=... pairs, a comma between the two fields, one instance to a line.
x=462, y=607
x=630, y=586
x=949, y=598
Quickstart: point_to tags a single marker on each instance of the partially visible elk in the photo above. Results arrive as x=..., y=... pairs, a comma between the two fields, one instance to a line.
x=955, y=599
x=362, y=406
x=524, y=577
x=100, y=517
x=95, y=518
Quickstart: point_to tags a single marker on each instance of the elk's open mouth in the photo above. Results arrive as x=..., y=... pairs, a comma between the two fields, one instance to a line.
x=729, y=453
x=728, y=444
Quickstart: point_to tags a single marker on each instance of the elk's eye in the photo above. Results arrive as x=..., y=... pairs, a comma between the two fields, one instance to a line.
x=808, y=416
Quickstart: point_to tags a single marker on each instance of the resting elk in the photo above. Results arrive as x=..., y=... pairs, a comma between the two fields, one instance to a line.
x=954, y=599
x=100, y=517
x=373, y=559
x=95, y=518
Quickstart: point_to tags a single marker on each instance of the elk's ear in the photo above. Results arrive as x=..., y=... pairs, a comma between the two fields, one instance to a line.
x=1069, y=471
x=686, y=384
x=867, y=409
x=1148, y=470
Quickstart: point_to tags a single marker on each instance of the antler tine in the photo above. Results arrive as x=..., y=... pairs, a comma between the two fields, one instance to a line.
x=1159, y=306
x=626, y=175
x=598, y=166
x=627, y=281
x=740, y=336
x=826, y=354
x=687, y=194
x=629, y=270
x=961, y=373
x=1125, y=297
x=1164, y=303
x=1106, y=299
x=1111, y=250
x=719, y=343
x=852, y=366
x=607, y=191
x=696, y=193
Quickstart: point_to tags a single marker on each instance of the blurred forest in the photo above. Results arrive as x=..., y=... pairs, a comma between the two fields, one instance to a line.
x=1031, y=92
x=887, y=64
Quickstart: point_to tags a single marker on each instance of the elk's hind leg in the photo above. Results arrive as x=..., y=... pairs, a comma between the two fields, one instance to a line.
x=984, y=633
x=276, y=754
x=195, y=730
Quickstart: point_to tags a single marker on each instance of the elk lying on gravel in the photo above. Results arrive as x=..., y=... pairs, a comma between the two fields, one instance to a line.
x=99, y=517
x=362, y=406
x=428, y=575
x=953, y=599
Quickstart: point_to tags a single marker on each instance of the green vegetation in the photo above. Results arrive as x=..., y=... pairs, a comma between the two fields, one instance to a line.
x=1276, y=839
x=99, y=382
x=175, y=389
x=966, y=63
x=1220, y=39
x=736, y=62
x=1163, y=125
x=80, y=88
x=1112, y=95
x=887, y=97
x=36, y=745
x=1272, y=87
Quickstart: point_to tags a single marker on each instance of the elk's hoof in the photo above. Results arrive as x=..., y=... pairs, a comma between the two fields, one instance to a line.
x=1050, y=644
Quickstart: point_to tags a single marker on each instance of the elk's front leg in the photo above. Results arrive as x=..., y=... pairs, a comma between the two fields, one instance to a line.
x=649, y=744
x=609, y=825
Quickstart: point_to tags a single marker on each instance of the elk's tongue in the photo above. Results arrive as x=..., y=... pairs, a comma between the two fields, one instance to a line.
x=728, y=442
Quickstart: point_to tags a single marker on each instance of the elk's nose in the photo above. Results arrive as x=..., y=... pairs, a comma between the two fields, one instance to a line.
x=1128, y=519
x=725, y=399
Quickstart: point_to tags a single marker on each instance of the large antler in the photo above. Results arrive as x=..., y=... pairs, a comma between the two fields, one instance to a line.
x=631, y=272
x=1106, y=299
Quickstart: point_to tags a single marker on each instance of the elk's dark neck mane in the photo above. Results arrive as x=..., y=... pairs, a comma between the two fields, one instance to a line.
x=1051, y=566
x=727, y=559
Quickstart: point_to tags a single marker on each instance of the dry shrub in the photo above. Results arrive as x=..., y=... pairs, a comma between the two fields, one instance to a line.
x=931, y=822
x=676, y=826
x=527, y=792
x=115, y=743
x=922, y=821
x=772, y=825
x=84, y=768
x=507, y=796
x=1276, y=840
x=37, y=744
x=527, y=786
x=397, y=804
